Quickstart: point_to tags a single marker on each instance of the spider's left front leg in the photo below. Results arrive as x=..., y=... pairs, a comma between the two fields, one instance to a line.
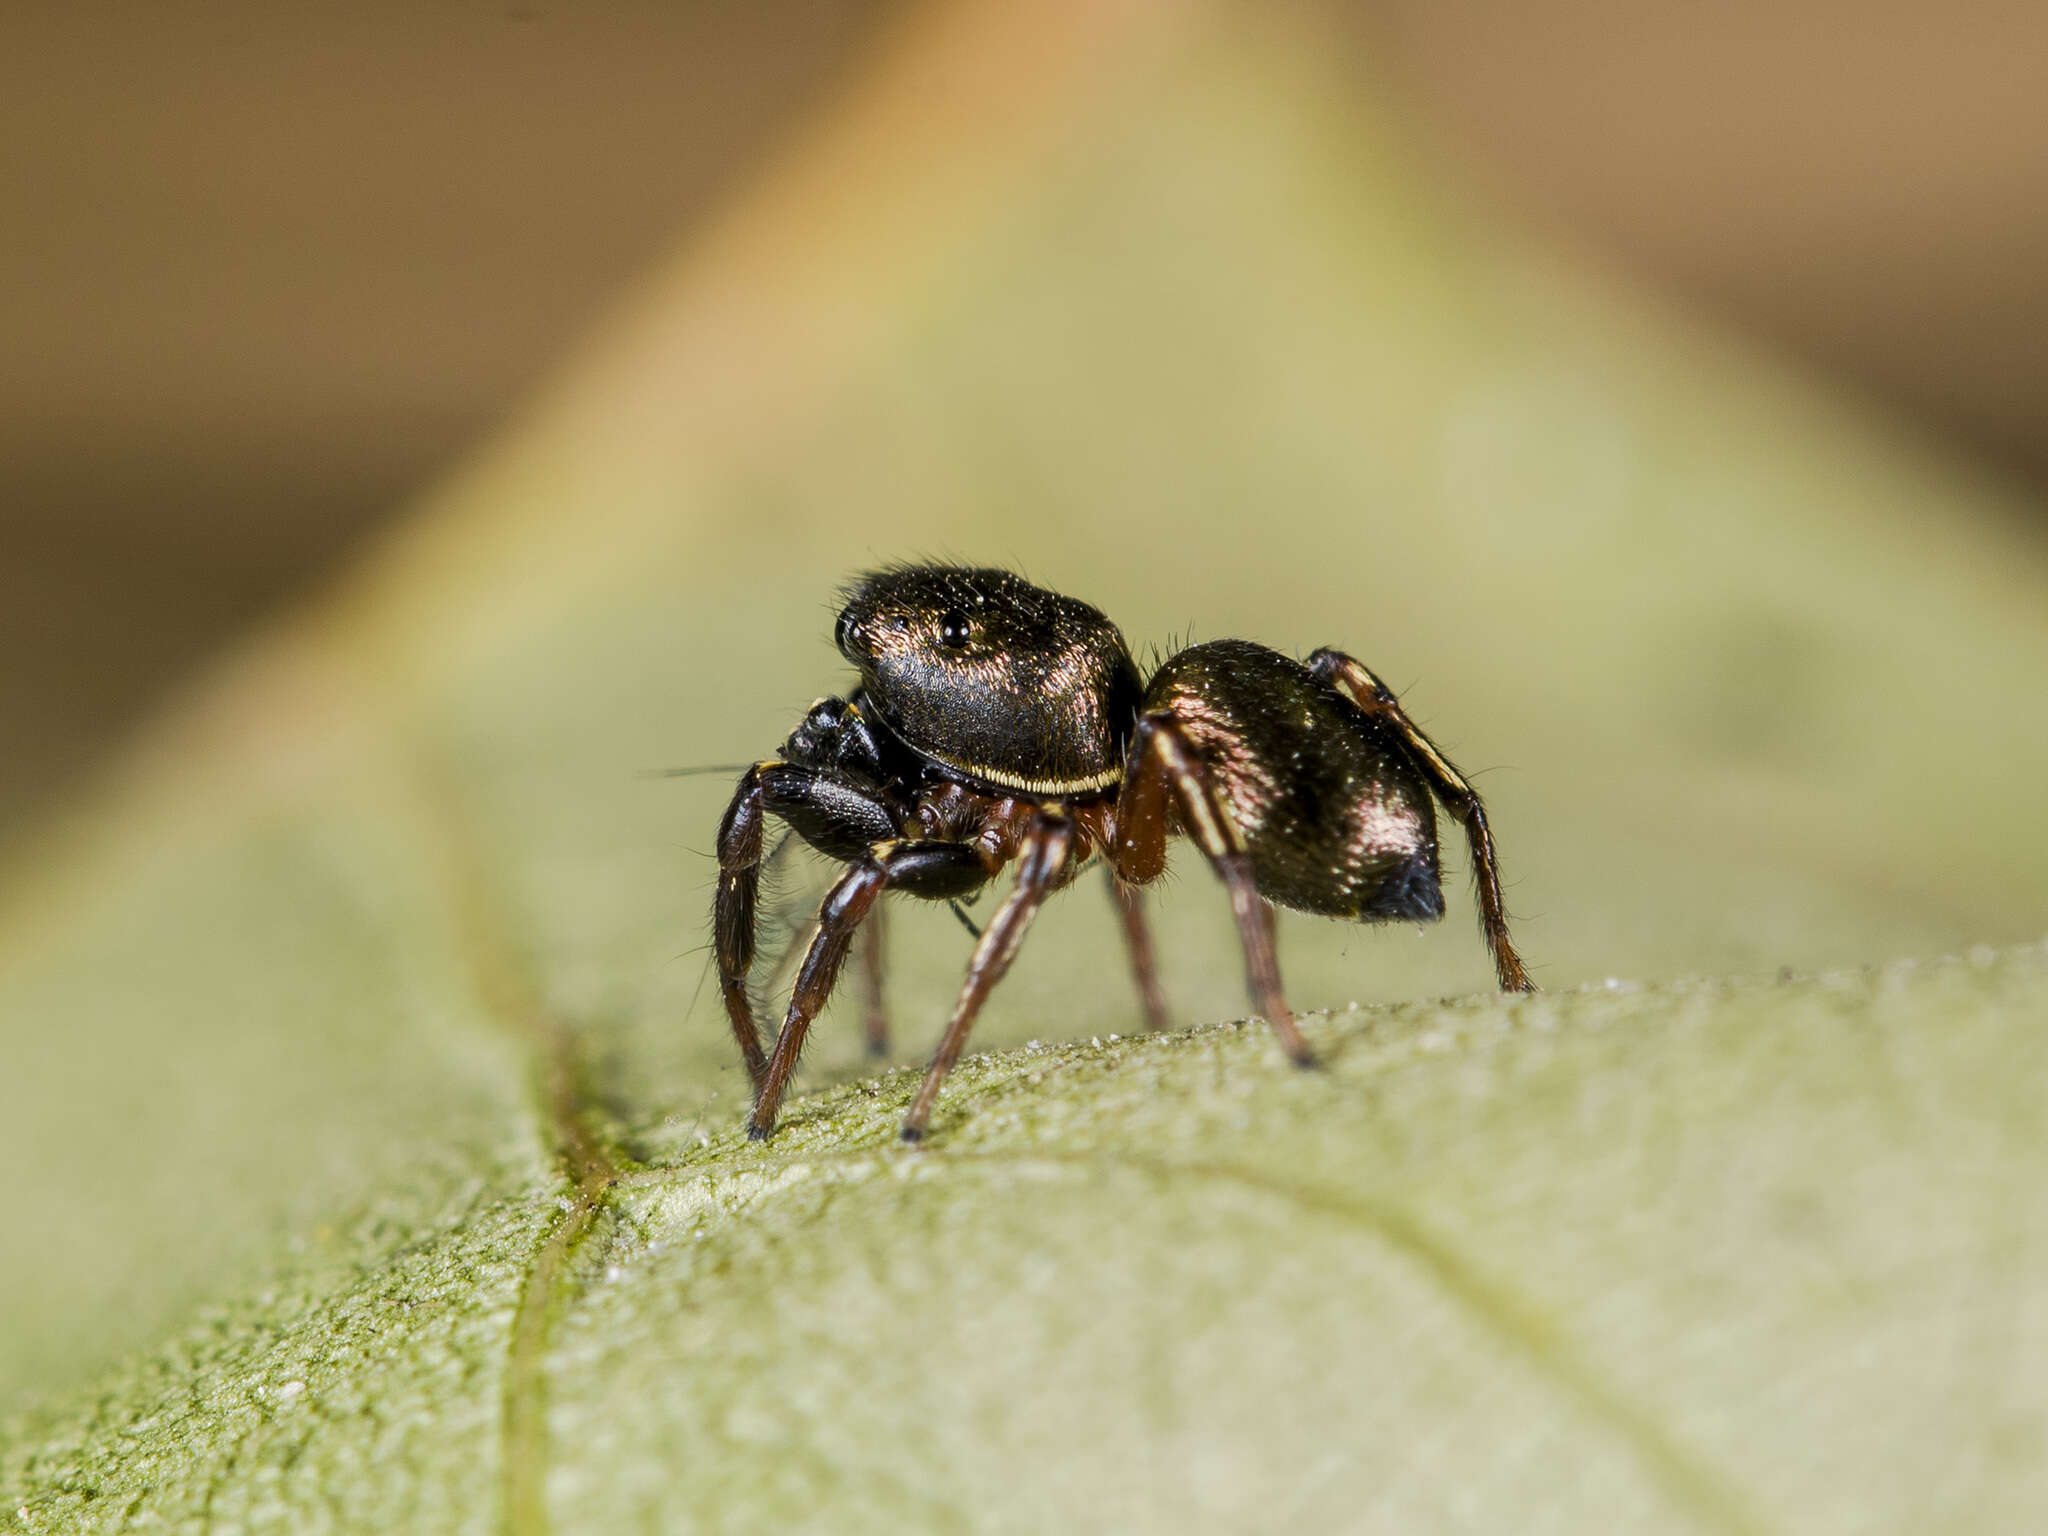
x=1164, y=771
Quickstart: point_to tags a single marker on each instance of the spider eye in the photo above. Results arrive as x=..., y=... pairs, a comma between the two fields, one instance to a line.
x=953, y=630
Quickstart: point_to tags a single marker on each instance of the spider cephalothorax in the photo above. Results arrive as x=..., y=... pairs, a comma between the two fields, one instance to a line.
x=1013, y=686
x=997, y=722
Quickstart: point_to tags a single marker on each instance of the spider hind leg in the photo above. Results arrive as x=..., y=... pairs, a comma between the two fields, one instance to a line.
x=1357, y=683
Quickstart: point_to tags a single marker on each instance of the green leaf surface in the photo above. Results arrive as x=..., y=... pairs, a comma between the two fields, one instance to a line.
x=375, y=1148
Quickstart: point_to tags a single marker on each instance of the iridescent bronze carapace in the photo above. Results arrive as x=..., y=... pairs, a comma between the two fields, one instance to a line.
x=1011, y=685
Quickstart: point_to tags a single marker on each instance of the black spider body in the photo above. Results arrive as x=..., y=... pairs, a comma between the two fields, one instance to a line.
x=997, y=722
x=1011, y=685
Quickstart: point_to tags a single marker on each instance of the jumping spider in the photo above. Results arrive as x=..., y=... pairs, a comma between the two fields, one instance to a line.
x=997, y=721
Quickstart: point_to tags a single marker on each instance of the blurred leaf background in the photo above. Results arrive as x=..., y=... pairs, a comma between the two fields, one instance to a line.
x=310, y=995
x=268, y=272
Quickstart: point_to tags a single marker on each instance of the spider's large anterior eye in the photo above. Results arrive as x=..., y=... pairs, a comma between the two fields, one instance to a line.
x=953, y=630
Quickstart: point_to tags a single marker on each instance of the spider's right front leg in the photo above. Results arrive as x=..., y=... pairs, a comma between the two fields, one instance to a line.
x=935, y=871
x=835, y=817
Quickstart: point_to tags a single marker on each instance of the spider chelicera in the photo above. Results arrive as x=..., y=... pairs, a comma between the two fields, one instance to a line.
x=997, y=722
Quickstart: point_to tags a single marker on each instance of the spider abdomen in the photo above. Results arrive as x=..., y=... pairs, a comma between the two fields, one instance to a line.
x=1336, y=815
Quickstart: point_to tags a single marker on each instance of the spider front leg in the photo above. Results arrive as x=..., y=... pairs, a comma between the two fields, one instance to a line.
x=732, y=913
x=1165, y=770
x=836, y=817
x=1356, y=681
x=937, y=871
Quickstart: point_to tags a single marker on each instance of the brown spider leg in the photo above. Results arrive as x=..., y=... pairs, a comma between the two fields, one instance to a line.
x=732, y=913
x=877, y=1017
x=937, y=870
x=1165, y=768
x=1359, y=684
x=845, y=905
x=1047, y=843
x=1130, y=905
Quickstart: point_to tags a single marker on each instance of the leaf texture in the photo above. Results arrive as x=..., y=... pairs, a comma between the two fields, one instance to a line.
x=375, y=1143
